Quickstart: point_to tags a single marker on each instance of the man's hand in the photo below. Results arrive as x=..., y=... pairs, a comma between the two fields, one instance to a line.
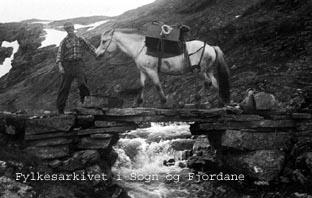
x=61, y=68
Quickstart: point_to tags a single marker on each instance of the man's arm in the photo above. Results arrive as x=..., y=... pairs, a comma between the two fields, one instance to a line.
x=89, y=46
x=59, y=57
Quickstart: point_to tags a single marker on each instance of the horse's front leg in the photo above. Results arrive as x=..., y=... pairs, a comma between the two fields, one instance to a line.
x=140, y=97
x=155, y=79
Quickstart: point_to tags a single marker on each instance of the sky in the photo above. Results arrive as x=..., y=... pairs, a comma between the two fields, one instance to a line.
x=17, y=10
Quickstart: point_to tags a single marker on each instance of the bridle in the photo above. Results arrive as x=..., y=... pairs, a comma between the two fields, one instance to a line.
x=110, y=41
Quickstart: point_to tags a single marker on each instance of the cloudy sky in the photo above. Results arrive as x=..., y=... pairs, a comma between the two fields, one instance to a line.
x=17, y=10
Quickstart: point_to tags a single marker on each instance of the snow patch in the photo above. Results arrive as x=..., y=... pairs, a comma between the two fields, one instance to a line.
x=91, y=26
x=53, y=37
x=7, y=64
x=42, y=22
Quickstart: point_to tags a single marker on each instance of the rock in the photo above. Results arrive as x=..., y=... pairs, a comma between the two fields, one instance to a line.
x=4, y=138
x=5, y=52
x=102, y=102
x=90, y=143
x=10, y=130
x=111, y=130
x=104, y=124
x=186, y=154
x=50, y=142
x=182, y=144
x=255, y=141
x=95, y=170
x=301, y=116
x=85, y=121
x=170, y=162
x=49, y=152
x=3, y=167
x=201, y=144
x=88, y=111
x=182, y=165
x=101, y=136
x=304, y=162
x=248, y=104
x=57, y=191
x=264, y=165
x=50, y=124
x=273, y=125
x=265, y=101
x=80, y=160
x=9, y=188
x=203, y=163
x=51, y=135
x=55, y=163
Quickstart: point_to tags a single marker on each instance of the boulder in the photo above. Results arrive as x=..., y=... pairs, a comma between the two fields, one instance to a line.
x=182, y=144
x=263, y=165
x=244, y=140
x=9, y=188
x=201, y=144
x=79, y=160
x=265, y=101
x=203, y=163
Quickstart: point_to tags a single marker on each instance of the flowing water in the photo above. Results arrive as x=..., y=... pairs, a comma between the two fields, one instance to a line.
x=140, y=166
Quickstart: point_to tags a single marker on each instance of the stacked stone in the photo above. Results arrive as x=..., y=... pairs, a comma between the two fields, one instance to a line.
x=256, y=144
x=66, y=144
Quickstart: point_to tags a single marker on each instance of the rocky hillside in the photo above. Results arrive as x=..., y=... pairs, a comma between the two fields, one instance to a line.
x=267, y=45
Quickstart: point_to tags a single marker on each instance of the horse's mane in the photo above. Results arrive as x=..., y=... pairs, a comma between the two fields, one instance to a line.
x=128, y=30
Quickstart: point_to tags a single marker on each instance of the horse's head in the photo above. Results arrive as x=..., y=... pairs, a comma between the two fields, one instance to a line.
x=107, y=44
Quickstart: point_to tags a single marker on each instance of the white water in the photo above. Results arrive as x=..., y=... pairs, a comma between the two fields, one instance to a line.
x=7, y=64
x=139, y=167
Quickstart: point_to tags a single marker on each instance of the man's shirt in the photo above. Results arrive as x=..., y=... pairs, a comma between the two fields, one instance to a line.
x=72, y=48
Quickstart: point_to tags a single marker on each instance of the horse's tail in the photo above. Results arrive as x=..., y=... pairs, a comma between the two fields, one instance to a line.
x=223, y=76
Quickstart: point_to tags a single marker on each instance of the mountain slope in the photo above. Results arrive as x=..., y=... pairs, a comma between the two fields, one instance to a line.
x=259, y=38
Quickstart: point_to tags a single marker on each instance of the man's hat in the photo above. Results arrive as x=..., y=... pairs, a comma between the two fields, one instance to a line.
x=68, y=25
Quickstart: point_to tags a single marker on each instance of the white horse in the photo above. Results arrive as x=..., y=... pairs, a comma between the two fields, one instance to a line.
x=202, y=55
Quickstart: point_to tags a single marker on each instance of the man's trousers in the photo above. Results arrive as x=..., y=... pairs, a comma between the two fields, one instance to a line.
x=72, y=70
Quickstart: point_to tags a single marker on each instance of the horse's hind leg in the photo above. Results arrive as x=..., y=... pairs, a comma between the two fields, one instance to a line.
x=155, y=78
x=140, y=96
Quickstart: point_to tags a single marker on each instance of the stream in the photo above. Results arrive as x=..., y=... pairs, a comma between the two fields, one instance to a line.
x=142, y=155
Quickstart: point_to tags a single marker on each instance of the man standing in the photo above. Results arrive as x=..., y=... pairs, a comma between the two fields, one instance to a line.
x=70, y=64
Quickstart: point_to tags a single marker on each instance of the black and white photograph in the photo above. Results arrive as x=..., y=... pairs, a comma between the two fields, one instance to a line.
x=156, y=99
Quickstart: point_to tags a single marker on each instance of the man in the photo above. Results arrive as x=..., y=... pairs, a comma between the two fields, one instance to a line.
x=70, y=64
